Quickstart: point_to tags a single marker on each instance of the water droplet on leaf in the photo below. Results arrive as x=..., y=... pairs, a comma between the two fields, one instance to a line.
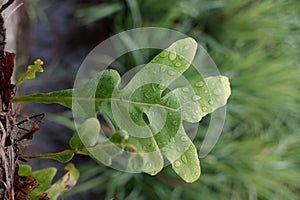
x=183, y=138
x=177, y=163
x=199, y=84
x=163, y=68
x=196, y=98
x=172, y=56
x=178, y=64
x=147, y=166
x=184, y=159
x=163, y=54
x=204, y=108
x=160, y=87
x=185, y=89
x=172, y=72
x=217, y=91
x=186, y=148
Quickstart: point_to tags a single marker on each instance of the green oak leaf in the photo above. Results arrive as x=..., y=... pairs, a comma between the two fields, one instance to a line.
x=157, y=92
x=31, y=70
x=64, y=184
x=44, y=178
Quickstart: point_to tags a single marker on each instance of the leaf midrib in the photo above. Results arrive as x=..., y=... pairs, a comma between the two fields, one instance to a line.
x=84, y=99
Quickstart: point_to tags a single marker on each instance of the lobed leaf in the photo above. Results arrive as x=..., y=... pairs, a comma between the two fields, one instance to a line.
x=64, y=184
x=157, y=93
x=44, y=178
x=31, y=70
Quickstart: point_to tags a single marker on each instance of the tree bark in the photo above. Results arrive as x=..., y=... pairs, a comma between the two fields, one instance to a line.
x=8, y=128
x=8, y=154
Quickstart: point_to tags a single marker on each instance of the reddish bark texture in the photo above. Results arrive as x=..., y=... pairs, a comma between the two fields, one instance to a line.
x=8, y=128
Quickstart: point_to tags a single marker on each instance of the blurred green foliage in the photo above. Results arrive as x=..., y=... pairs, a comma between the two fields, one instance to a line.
x=256, y=44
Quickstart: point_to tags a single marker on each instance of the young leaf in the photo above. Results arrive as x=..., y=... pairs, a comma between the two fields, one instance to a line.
x=64, y=184
x=44, y=178
x=31, y=70
x=144, y=96
x=24, y=170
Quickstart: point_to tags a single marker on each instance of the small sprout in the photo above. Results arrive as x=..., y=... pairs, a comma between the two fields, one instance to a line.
x=31, y=70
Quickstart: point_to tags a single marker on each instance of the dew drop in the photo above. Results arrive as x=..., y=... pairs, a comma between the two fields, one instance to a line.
x=172, y=72
x=178, y=64
x=217, y=91
x=172, y=56
x=174, y=123
x=184, y=159
x=186, y=47
x=199, y=84
x=147, y=166
x=204, y=108
x=177, y=163
x=196, y=98
x=186, y=148
x=210, y=102
x=185, y=89
x=183, y=138
x=163, y=54
x=160, y=87
x=195, y=174
x=180, y=57
x=163, y=68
